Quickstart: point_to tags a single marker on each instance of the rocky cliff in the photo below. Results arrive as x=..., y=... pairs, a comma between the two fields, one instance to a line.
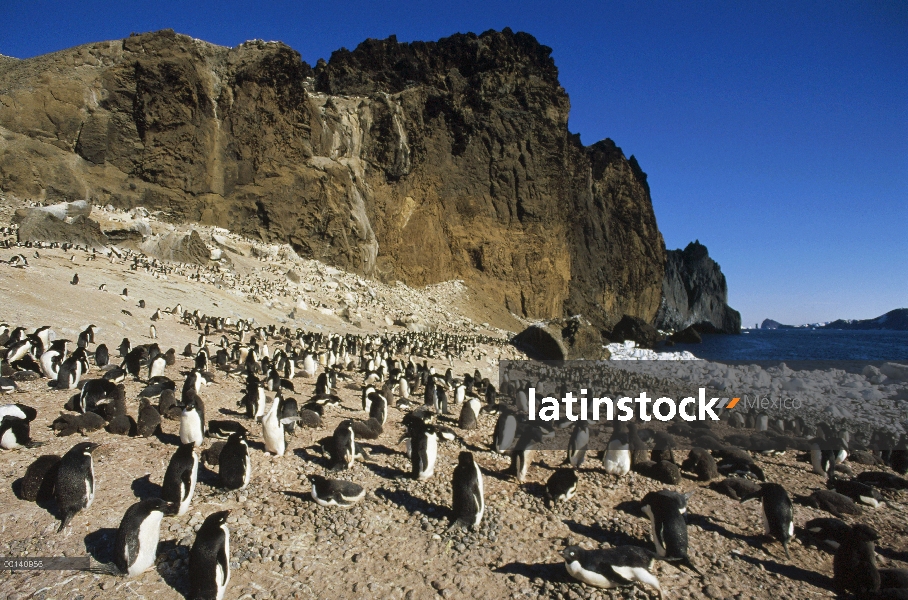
x=694, y=292
x=420, y=162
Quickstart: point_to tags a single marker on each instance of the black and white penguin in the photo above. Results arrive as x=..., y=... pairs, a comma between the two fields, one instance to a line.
x=735, y=487
x=469, y=500
x=136, y=546
x=523, y=452
x=778, y=512
x=668, y=526
x=378, y=408
x=617, y=458
x=469, y=413
x=156, y=366
x=505, y=431
x=854, y=567
x=335, y=492
x=15, y=432
x=832, y=502
x=69, y=373
x=37, y=484
x=289, y=414
x=857, y=491
x=423, y=448
x=75, y=487
x=180, y=478
x=578, y=444
x=341, y=446
x=827, y=533
x=224, y=429
x=561, y=486
x=273, y=429
x=613, y=567
x=75, y=279
x=209, y=559
x=192, y=420
x=234, y=466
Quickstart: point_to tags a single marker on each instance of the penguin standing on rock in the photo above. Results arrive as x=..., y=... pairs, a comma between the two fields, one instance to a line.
x=75, y=487
x=423, y=448
x=577, y=445
x=617, y=457
x=180, y=477
x=136, y=546
x=778, y=513
x=209, y=559
x=273, y=429
x=613, y=567
x=469, y=502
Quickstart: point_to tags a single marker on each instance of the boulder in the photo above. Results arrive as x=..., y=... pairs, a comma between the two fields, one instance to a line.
x=636, y=329
x=688, y=335
x=561, y=339
x=40, y=225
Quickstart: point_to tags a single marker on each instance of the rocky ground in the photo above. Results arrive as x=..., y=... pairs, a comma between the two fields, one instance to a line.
x=395, y=543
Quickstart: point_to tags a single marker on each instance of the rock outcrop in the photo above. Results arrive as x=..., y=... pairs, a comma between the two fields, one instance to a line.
x=895, y=320
x=64, y=222
x=561, y=339
x=420, y=162
x=694, y=293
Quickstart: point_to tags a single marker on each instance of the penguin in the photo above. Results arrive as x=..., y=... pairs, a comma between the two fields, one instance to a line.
x=577, y=445
x=854, y=567
x=15, y=432
x=667, y=525
x=273, y=429
x=209, y=559
x=523, y=452
x=180, y=478
x=505, y=432
x=102, y=356
x=617, y=457
x=167, y=406
x=68, y=424
x=37, y=484
x=20, y=411
x=827, y=533
x=883, y=480
x=289, y=414
x=857, y=491
x=735, y=487
x=468, y=503
x=613, y=567
x=832, y=502
x=335, y=492
x=423, y=448
x=224, y=429
x=310, y=366
x=341, y=446
x=136, y=546
x=156, y=366
x=76, y=486
x=469, y=413
x=69, y=373
x=234, y=466
x=778, y=512
x=75, y=279
x=700, y=462
x=122, y=424
x=562, y=485
x=662, y=471
x=192, y=420
x=378, y=409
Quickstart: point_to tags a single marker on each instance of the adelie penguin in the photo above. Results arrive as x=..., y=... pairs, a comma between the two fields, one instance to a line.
x=234, y=464
x=209, y=559
x=468, y=503
x=423, y=448
x=181, y=477
x=778, y=513
x=192, y=420
x=854, y=567
x=273, y=429
x=75, y=487
x=617, y=457
x=613, y=567
x=577, y=445
x=561, y=486
x=469, y=413
x=136, y=546
x=668, y=527
x=341, y=446
x=335, y=492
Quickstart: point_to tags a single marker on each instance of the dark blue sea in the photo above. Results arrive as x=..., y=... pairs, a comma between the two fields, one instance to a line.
x=801, y=344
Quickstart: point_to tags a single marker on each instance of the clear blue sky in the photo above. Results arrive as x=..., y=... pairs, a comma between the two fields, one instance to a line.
x=774, y=132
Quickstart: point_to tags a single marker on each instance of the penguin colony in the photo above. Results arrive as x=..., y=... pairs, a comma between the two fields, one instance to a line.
x=396, y=372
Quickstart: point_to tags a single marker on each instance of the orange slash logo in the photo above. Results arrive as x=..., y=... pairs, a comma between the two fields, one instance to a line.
x=732, y=403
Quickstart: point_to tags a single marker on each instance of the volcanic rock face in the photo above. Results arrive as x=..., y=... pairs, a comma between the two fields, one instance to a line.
x=694, y=292
x=421, y=162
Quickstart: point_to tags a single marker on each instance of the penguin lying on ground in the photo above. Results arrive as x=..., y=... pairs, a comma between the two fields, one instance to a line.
x=335, y=492
x=612, y=567
x=561, y=486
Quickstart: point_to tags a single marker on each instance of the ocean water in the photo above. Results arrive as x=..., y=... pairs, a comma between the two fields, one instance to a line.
x=802, y=344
